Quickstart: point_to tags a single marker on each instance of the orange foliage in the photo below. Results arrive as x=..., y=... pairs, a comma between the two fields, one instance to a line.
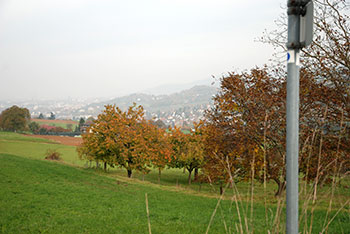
x=126, y=139
x=188, y=150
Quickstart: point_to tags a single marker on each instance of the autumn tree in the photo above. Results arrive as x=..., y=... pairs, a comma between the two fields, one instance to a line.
x=193, y=157
x=219, y=163
x=158, y=147
x=178, y=143
x=248, y=115
x=14, y=119
x=197, y=141
x=188, y=150
x=125, y=139
x=323, y=130
x=328, y=59
x=324, y=150
x=247, y=123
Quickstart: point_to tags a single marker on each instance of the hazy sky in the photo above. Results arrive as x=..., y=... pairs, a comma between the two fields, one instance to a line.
x=100, y=48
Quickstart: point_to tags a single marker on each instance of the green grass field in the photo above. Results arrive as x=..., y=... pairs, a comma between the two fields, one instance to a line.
x=56, y=123
x=40, y=196
x=43, y=196
x=35, y=148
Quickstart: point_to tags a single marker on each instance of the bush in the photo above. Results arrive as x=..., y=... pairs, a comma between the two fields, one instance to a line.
x=52, y=155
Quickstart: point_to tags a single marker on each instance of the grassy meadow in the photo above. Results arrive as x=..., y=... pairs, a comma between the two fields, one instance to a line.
x=57, y=123
x=66, y=197
x=35, y=148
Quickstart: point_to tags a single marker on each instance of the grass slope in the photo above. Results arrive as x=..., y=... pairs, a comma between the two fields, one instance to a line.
x=10, y=136
x=42, y=196
x=35, y=148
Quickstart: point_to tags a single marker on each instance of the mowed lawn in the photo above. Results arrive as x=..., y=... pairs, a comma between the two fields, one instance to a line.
x=43, y=196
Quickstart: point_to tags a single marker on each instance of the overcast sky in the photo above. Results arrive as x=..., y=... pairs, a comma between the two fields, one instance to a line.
x=104, y=48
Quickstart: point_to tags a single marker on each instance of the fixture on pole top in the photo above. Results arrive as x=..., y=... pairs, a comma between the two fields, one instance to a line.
x=304, y=9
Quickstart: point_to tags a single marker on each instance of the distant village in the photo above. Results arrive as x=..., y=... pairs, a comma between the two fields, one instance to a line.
x=182, y=117
x=181, y=109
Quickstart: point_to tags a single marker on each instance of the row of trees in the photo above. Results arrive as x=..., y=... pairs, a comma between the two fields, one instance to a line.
x=128, y=140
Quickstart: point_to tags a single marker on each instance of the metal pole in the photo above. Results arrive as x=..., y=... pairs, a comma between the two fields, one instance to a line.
x=292, y=154
x=292, y=145
x=296, y=41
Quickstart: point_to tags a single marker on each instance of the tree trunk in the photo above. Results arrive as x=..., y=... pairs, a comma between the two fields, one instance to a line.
x=221, y=188
x=159, y=174
x=189, y=176
x=281, y=187
x=129, y=172
x=196, y=174
x=97, y=165
x=105, y=166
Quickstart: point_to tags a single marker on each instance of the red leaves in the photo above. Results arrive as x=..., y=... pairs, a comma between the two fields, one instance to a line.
x=246, y=122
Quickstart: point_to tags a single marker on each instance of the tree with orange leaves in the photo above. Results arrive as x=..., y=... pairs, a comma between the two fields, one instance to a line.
x=158, y=147
x=187, y=150
x=125, y=139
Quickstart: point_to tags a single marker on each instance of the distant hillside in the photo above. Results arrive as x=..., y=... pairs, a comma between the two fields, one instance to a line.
x=198, y=95
x=178, y=108
x=181, y=108
x=174, y=88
